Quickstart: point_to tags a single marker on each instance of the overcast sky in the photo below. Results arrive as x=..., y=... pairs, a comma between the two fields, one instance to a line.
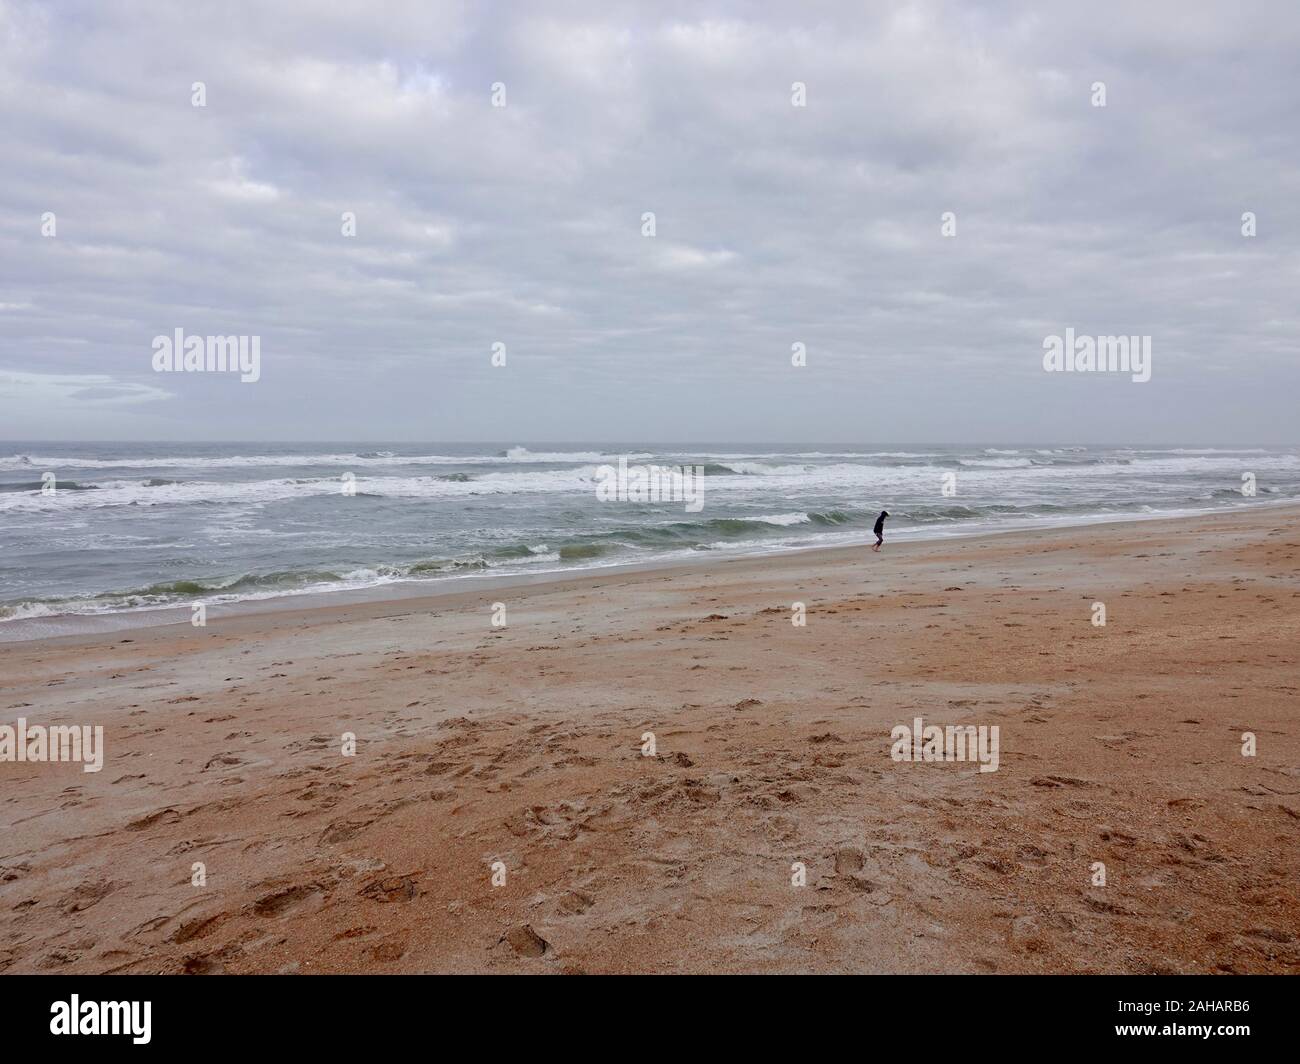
x=775, y=224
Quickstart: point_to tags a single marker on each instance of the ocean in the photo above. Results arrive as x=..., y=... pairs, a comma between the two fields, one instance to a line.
x=139, y=526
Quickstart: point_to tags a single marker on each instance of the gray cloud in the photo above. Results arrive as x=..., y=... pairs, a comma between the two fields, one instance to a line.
x=775, y=224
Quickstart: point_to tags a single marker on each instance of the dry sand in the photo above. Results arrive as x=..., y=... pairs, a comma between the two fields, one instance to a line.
x=522, y=745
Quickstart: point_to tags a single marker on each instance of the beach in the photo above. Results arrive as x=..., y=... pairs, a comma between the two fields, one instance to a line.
x=500, y=813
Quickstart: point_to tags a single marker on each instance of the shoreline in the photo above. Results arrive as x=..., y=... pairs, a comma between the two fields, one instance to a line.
x=521, y=749
x=64, y=626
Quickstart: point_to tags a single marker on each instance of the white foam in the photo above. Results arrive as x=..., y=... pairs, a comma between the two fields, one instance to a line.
x=796, y=518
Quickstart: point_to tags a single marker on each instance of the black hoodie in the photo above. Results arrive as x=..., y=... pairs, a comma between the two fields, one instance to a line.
x=880, y=522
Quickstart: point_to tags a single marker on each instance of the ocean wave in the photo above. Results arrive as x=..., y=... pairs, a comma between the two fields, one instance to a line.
x=623, y=542
x=37, y=486
x=523, y=454
x=514, y=455
x=121, y=493
x=1216, y=450
x=736, y=481
x=626, y=541
x=996, y=463
x=241, y=588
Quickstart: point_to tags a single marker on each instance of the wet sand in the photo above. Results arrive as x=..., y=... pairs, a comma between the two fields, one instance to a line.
x=520, y=749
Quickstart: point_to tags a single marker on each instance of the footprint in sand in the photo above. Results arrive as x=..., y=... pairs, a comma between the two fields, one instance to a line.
x=213, y=963
x=575, y=902
x=524, y=941
x=87, y=894
x=391, y=888
x=280, y=902
x=198, y=927
x=388, y=951
x=163, y=816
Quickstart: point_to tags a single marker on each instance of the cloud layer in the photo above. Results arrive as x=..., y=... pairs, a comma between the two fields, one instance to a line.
x=774, y=224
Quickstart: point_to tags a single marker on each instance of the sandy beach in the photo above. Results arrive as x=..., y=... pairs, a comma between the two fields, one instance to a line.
x=515, y=754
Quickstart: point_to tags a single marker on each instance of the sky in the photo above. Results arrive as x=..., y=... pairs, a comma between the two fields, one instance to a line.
x=499, y=160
